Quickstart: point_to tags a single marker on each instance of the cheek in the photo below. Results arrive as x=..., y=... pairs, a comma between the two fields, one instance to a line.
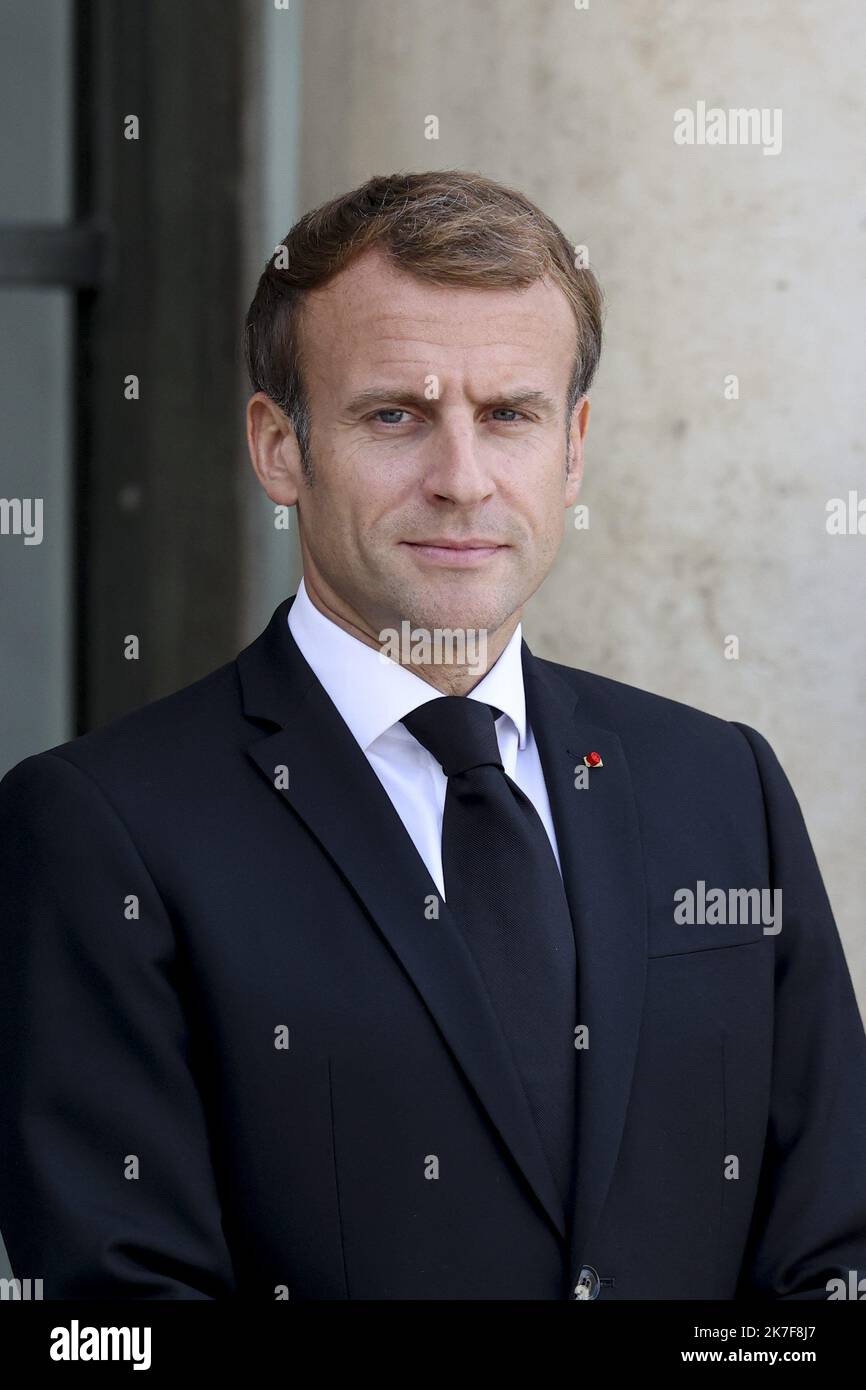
x=327, y=515
x=549, y=526
x=543, y=503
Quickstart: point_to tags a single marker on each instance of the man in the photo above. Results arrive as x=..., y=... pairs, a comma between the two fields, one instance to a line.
x=391, y=961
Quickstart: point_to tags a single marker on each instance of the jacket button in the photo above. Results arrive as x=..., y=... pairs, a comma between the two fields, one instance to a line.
x=588, y=1284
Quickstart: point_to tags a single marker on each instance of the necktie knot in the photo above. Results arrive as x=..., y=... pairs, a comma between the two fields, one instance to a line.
x=458, y=731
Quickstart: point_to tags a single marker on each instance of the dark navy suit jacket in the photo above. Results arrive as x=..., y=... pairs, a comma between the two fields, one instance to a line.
x=240, y=1055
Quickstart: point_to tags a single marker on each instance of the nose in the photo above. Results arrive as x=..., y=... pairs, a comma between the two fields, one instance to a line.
x=454, y=469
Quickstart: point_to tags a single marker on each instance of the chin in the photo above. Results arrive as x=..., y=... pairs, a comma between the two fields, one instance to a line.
x=455, y=599
x=469, y=609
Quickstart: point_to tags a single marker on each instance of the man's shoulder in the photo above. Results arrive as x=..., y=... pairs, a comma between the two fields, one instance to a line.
x=176, y=731
x=644, y=719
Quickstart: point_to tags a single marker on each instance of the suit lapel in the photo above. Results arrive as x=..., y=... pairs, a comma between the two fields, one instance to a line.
x=333, y=789
x=602, y=867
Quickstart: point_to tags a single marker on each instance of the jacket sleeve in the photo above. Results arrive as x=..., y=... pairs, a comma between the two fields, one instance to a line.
x=107, y=1189
x=809, y=1224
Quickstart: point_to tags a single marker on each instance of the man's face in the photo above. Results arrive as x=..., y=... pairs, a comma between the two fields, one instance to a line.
x=438, y=418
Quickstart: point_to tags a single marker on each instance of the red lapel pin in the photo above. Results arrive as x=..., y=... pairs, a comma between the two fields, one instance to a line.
x=593, y=760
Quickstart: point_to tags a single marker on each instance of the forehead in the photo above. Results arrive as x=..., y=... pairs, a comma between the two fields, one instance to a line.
x=375, y=314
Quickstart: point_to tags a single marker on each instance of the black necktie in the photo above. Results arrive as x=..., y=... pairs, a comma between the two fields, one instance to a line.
x=504, y=888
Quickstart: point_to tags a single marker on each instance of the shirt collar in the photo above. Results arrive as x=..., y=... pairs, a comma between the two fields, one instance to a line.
x=373, y=695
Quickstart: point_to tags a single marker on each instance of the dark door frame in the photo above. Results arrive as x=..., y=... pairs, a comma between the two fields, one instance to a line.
x=154, y=258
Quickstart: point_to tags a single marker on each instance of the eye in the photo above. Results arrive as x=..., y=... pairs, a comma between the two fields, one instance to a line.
x=395, y=410
x=506, y=410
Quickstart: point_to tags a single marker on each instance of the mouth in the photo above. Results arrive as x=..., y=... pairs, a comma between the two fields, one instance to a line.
x=457, y=554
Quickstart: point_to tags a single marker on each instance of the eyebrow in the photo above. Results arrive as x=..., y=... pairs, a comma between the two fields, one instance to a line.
x=374, y=395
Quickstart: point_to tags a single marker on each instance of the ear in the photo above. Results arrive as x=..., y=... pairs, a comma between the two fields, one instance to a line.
x=576, y=435
x=274, y=451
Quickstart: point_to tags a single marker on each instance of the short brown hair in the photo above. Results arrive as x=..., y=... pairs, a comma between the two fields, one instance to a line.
x=448, y=227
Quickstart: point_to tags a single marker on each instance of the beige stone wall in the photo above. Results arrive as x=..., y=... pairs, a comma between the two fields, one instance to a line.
x=707, y=515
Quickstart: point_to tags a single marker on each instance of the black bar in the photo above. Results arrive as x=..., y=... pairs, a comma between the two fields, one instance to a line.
x=74, y=255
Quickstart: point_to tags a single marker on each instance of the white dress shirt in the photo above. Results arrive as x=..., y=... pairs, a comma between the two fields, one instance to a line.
x=373, y=695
